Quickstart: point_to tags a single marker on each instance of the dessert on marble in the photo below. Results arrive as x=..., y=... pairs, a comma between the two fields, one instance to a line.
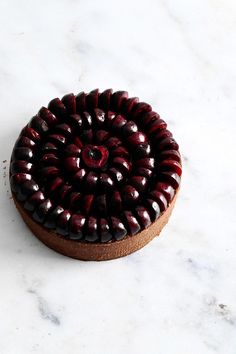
x=95, y=176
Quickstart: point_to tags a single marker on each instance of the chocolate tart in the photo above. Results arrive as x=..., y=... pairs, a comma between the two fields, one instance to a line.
x=95, y=176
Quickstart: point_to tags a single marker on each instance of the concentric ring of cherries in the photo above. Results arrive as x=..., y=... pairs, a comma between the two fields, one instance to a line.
x=95, y=167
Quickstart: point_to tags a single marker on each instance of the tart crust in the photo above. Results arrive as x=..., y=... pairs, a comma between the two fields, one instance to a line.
x=88, y=251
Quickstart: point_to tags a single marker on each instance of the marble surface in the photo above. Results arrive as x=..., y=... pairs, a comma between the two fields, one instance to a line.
x=177, y=295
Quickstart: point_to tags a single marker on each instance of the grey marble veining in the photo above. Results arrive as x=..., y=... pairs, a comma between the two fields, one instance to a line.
x=177, y=295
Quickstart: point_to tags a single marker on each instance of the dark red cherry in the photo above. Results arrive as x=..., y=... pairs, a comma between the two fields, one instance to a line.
x=38, y=124
x=105, y=182
x=87, y=135
x=48, y=116
x=139, y=182
x=62, y=223
x=30, y=133
x=143, y=150
x=23, y=153
x=113, y=142
x=132, y=223
x=95, y=156
x=136, y=139
x=100, y=204
x=146, y=162
x=143, y=216
x=76, y=121
x=49, y=171
x=166, y=189
x=116, y=174
x=122, y=164
x=58, y=139
x=79, y=176
x=50, y=159
x=118, y=123
x=105, y=232
x=81, y=102
x=18, y=179
x=26, y=189
x=49, y=147
x=72, y=150
x=74, y=199
x=91, y=180
x=147, y=118
x=167, y=144
x=72, y=164
x=129, y=104
x=77, y=223
x=141, y=171
x=153, y=208
x=78, y=142
x=118, y=229
x=21, y=166
x=130, y=194
x=34, y=200
x=171, y=165
x=110, y=116
x=129, y=128
x=156, y=127
x=91, y=233
x=57, y=108
x=140, y=108
x=117, y=100
x=104, y=99
x=42, y=211
x=120, y=151
x=69, y=102
x=64, y=129
x=63, y=192
x=92, y=99
x=169, y=154
x=172, y=177
x=87, y=203
x=161, y=135
x=87, y=120
x=160, y=199
x=51, y=219
x=24, y=141
x=55, y=184
x=116, y=202
x=99, y=116
x=101, y=136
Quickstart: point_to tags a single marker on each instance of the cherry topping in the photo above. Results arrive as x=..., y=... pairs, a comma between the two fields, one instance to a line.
x=95, y=167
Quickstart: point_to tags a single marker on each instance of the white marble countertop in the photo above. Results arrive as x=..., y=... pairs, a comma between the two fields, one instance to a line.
x=178, y=294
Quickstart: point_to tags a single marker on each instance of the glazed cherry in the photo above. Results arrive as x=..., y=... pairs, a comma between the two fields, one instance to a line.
x=77, y=223
x=51, y=219
x=118, y=229
x=62, y=227
x=95, y=156
x=34, y=200
x=95, y=167
x=42, y=211
x=132, y=223
x=27, y=189
x=143, y=216
x=105, y=231
x=91, y=234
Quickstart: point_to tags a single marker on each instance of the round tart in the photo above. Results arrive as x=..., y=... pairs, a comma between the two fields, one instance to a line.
x=95, y=176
